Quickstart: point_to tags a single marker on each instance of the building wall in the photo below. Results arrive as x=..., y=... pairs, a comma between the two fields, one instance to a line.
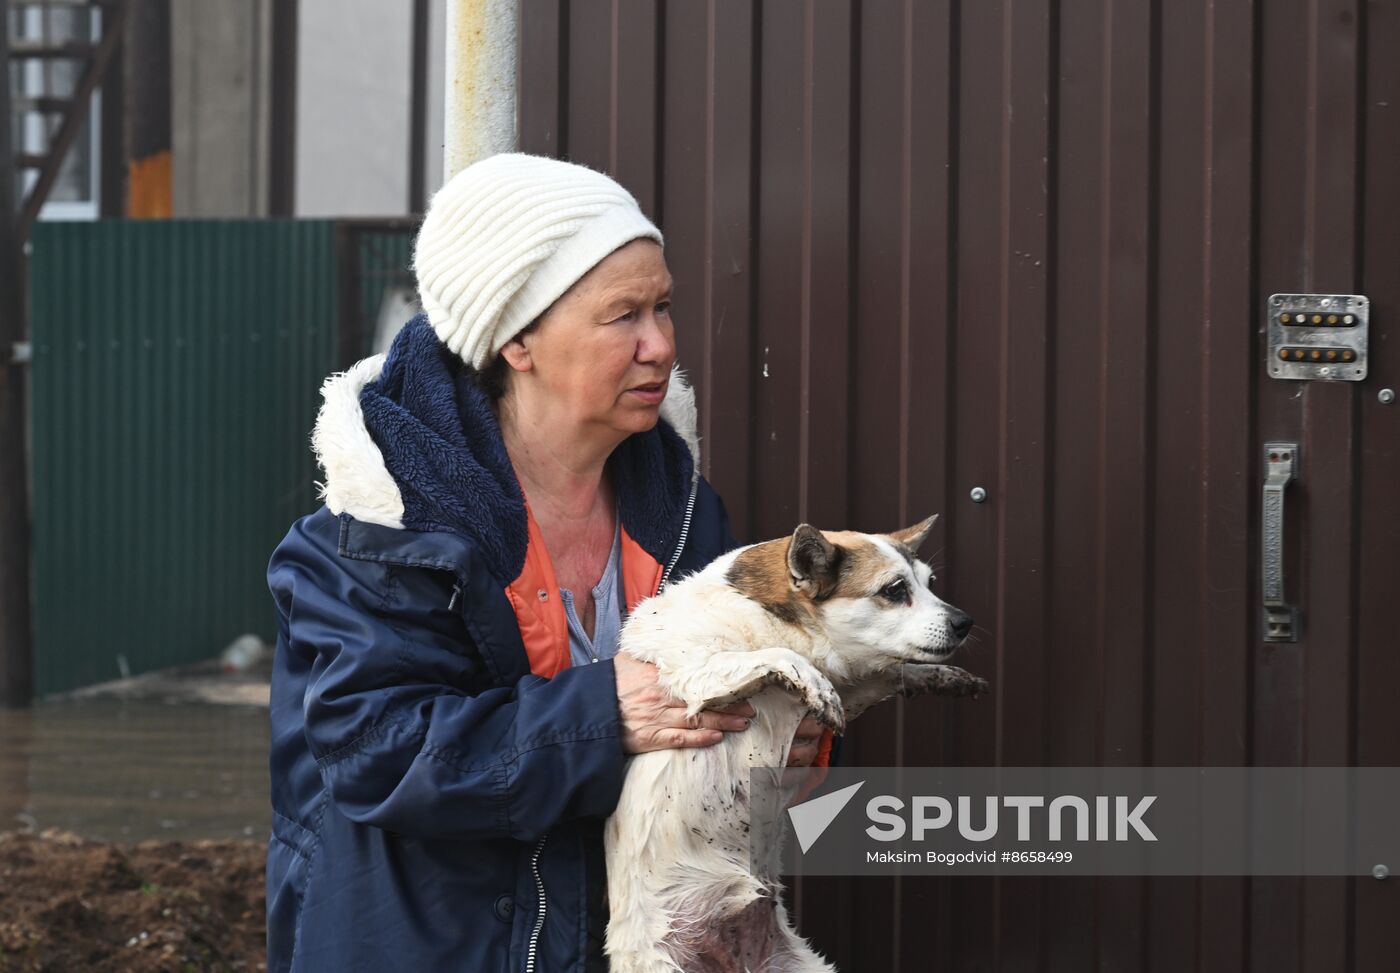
x=353, y=107
x=354, y=89
x=219, y=107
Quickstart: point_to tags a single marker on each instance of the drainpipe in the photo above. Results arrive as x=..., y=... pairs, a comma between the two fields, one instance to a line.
x=483, y=44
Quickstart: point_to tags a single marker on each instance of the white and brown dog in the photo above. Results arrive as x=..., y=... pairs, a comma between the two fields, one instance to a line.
x=823, y=622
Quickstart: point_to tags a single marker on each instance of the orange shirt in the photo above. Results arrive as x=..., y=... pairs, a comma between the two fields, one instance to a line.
x=539, y=610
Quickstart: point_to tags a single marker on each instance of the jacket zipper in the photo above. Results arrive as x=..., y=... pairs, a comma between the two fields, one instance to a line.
x=543, y=903
x=539, y=918
x=685, y=531
x=533, y=949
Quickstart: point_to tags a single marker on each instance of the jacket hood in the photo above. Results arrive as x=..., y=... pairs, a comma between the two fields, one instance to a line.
x=408, y=440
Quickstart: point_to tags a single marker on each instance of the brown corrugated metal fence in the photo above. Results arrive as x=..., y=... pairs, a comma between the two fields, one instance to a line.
x=1025, y=245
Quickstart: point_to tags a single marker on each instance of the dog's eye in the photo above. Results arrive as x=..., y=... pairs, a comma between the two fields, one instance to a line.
x=896, y=592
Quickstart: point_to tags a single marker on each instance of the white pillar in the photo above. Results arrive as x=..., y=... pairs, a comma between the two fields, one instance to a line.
x=483, y=44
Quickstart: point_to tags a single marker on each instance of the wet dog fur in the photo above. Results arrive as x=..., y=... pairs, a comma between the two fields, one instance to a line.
x=827, y=623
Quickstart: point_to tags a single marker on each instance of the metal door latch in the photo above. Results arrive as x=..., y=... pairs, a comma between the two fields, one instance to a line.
x=1280, y=469
x=1319, y=337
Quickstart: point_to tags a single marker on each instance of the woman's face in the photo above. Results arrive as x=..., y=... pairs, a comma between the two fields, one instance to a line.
x=602, y=354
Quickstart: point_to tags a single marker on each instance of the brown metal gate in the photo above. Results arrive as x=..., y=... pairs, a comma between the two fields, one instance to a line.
x=923, y=246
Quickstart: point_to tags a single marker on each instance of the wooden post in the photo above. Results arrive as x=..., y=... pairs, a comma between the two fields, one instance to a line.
x=146, y=147
x=281, y=154
x=418, y=110
x=16, y=648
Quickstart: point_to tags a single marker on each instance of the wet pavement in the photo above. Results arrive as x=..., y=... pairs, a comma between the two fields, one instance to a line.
x=154, y=757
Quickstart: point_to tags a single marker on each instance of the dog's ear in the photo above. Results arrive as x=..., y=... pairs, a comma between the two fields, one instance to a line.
x=914, y=537
x=813, y=561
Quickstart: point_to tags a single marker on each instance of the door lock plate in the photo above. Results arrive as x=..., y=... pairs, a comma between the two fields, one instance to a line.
x=1319, y=337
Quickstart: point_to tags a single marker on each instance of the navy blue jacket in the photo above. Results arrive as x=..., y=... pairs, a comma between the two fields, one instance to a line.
x=435, y=805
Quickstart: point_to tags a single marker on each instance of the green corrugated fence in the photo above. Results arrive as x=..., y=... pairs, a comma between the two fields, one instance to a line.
x=176, y=369
x=381, y=261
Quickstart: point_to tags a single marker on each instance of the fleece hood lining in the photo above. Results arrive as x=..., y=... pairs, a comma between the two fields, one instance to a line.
x=358, y=480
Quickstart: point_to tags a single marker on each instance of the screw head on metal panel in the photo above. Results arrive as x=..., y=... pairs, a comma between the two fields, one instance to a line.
x=1385, y=396
x=978, y=494
x=1380, y=871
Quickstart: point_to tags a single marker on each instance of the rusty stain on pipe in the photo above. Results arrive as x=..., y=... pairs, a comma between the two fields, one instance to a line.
x=480, y=97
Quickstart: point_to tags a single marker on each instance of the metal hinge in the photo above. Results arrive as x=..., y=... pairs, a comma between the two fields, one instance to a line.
x=22, y=353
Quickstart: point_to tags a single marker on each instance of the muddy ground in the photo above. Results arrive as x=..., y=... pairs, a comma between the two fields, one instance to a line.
x=67, y=904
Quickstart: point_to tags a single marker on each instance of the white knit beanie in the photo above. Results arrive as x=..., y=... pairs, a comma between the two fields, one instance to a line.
x=506, y=237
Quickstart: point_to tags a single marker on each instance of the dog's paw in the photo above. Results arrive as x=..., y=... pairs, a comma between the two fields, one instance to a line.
x=973, y=686
x=805, y=681
x=826, y=706
x=942, y=681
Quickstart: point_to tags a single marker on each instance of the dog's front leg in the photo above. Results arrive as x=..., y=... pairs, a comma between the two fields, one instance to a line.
x=727, y=676
x=911, y=679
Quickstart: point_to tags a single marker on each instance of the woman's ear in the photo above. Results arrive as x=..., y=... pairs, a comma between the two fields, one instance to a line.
x=517, y=356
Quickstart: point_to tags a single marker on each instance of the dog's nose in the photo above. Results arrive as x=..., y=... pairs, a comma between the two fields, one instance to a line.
x=961, y=624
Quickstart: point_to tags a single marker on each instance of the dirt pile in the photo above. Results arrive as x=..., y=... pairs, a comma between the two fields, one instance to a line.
x=70, y=904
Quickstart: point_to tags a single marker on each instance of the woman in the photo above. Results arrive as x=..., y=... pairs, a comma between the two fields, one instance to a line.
x=449, y=719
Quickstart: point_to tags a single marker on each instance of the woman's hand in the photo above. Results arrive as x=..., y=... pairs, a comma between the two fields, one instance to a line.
x=805, y=743
x=651, y=720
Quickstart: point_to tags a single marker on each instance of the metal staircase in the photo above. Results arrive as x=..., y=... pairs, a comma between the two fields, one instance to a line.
x=60, y=109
